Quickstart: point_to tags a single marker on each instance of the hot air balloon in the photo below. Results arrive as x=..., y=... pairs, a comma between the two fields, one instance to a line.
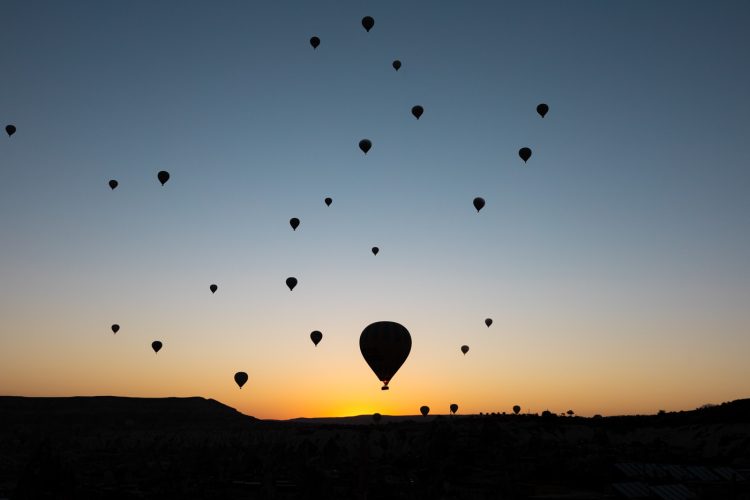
x=375, y=250
x=368, y=22
x=424, y=410
x=478, y=203
x=291, y=283
x=376, y=417
x=113, y=184
x=516, y=409
x=294, y=222
x=213, y=288
x=417, y=111
x=525, y=154
x=396, y=64
x=163, y=177
x=240, y=378
x=365, y=145
x=10, y=130
x=315, y=41
x=316, y=337
x=454, y=408
x=542, y=109
x=385, y=345
x=156, y=345
x=328, y=201
x=488, y=322
x=464, y=349
x=115, y=328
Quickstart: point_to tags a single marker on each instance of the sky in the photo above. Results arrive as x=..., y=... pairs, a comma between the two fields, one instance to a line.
x=613, y=263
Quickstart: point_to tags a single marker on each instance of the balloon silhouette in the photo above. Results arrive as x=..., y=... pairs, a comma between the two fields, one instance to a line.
x=385, y=345
x=478, y=203
x=424, y=410
x=542, y=109
x=376, y=417
x=365, y=145
x=396, y=64
x=375, y=250
x=315, y=41
x=316, y=337
x=368, y=22
x=240, y=378
x=213, y=288
x=115, y=328
x=417, y=111
x=464, y=349
x=10, y=130
x=488, y=322
x=163, y=177
x=156, y=345
x=113, y=184
x=291, y=283
x=294, y=222
x=328, y=201
x=516, y=409
x=525, y=154
x=454, y=408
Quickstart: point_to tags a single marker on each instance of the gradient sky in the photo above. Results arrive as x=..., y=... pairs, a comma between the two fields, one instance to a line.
x=614, y=264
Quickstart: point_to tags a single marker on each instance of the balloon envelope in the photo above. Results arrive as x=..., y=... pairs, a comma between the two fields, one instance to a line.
x=113, y=184
x=163, y=177
x=488, y=322
x=396, y=64
x=525, y=154
x=315, y=41
x=375, y=250
x=291, y=283
x=424, y=410
x=478, y=203
x=328, y=201
x=10, y=130
x=454, y=408
x=368, y=22
x=417, y=111
x=376, y=417
x=294, y=222
x=213, y=288
x=240, y=378
x=385, y=345
x=464, y=349
x=156, y=345
x=542, y=109
x=316, y=337
x=365, y=145
x=115, y=328
x=516, y=409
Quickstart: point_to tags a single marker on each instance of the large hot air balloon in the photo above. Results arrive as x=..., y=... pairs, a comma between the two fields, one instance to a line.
x=542, y=109
x=156, y=345
x=464, y=349
x=396, y=64
x=291, y=283
x=315, y=41
x=240, y=378
x=115, y=328
x=375, y=250
x=213, y=288
x=417, y=111
x=294, y=222
x=113, y=184
x=478, y=203
x=10, y=130
x=488, y=322
x=525, y=154
x=454, y=408
x=328, y=201
x=516, y=409
x=424, y=410
x=316, y=337
x=385, y=345
x=163, y=177
x=368, y=22
x=365, y=145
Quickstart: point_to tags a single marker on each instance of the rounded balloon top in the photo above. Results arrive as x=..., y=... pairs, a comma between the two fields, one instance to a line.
x=396, y=64
x=328, y=201
x=417, y=111
x=368, y=22
x=375, y=250
x=365, y=145
x=385, y=345
x=542, y=109
x=376, y=417
x=525, y=154
x=113, y=184
x=294, y=222
x=213, y=288
x=454, y=408
x=115, y=328
x=478, y=203
x=156, y=345
x=316, y=337
x=464, y=349
x=315, y=41
x=240, y=378
x=488, y=322
x=424, y=410
x=163, y=177
x=10, y=130
x=291, y=282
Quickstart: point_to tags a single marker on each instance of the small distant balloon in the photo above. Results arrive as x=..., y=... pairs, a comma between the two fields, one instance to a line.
x=213, y=288
x=542, y=109
x=115, y=328
x=156, y=345
x=291, y=283
x=516, y=409
x=525, y=154
x=328, y=201
x=478, y=203
x=376, y=417
x=113, y=184
x=315, y=41
x=316, y=337
x=368, y=22
x=417, y=111
x=464, y=349
x=375, y=250
x=488, y=322
x=163, y=177
x=294, y=222
x=396, y=64
x=365, y=145
x=424, y=410
x=240, y=378
x=454, y=408
x=10, y=130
